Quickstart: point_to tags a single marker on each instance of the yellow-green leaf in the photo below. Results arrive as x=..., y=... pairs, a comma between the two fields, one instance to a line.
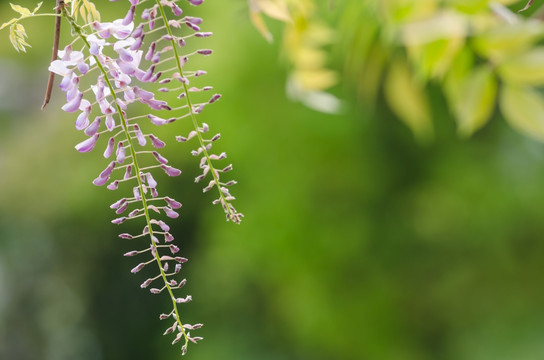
x=523, y=108
x=21, y=10
x=74, y=8
x=525, y=69
x=505, y=40
x=408, y=100
x=258, y=22
x=474, y=100
x=6, y=24
x=37, y=7
x=14, y=39
x=432, y=43
x=276, y=9
x=94, y=15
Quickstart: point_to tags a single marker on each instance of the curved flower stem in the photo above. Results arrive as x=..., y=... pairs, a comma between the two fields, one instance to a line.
x=137, y=168
x=231, y=214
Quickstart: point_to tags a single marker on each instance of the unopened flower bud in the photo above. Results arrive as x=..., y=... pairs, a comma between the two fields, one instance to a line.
x=139, y=267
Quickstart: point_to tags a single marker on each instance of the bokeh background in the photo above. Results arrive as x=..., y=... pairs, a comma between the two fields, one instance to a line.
x=359, y=243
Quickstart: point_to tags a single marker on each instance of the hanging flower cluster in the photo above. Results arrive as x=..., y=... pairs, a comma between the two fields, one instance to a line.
x=140, y=59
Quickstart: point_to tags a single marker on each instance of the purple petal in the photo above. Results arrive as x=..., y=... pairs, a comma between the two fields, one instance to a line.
x=108, y=170
x=121, y=209
x=125, y=55
x=157, y=120
x=138, y=32
x=156, y=142
x=170, y=171
x=172, y=203
x=193, y=20
x=151, y=181
x=110, y=122
x=130, y=16
x=66, y=83
x=73, y=105
x=87, y=145
x=126, y=67
x=109, y=148
x=143, y=94
x=114, y=185
x=150, y=51
x=170, y=213
x=160, y=158
x=140, y=136
x=120, y=153
x=82, y=67
x=137, y=44
x=137, y=268
x=192, y=26
x=214, y=98
x=136, y=192
x=128, y=172
x=99, y=181
x=176, y=9
x=158, y=105
x=93, y=128
x=82, y=121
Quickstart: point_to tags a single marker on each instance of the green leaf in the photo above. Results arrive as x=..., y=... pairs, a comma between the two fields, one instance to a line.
x=499, y=42
x=523, y=108
x=21, y=10
x=524, y=69
x=432, y=43
x=37, y=7
x=408, y=100
x=473, y=99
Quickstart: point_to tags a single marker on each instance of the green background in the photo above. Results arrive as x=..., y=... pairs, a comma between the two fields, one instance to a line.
x=358, y=243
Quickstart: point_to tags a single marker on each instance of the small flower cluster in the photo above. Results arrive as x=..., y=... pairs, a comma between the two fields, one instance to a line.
x=225, y=197
x=124, y=59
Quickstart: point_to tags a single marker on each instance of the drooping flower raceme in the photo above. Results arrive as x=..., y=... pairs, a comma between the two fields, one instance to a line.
x=140, y=59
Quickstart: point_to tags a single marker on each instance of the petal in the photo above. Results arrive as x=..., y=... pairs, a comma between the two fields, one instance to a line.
x=157, y=120
x=73, y=105
x=58, y=67
x=109, y=148
x=171, y=171
x=82, y=121
x=151, y=181
x=161, y=159
x=87, y=145
x=120, y=153
x=110, y=122
x=156, y=142
x=170, y=213
x=93, y=128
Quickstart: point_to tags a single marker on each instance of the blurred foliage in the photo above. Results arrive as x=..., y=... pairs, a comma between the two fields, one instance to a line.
x=480, y=53
x=357, y=244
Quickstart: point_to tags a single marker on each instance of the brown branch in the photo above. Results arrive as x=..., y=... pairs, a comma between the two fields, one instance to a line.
x=527, y=6
x=51, y=79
